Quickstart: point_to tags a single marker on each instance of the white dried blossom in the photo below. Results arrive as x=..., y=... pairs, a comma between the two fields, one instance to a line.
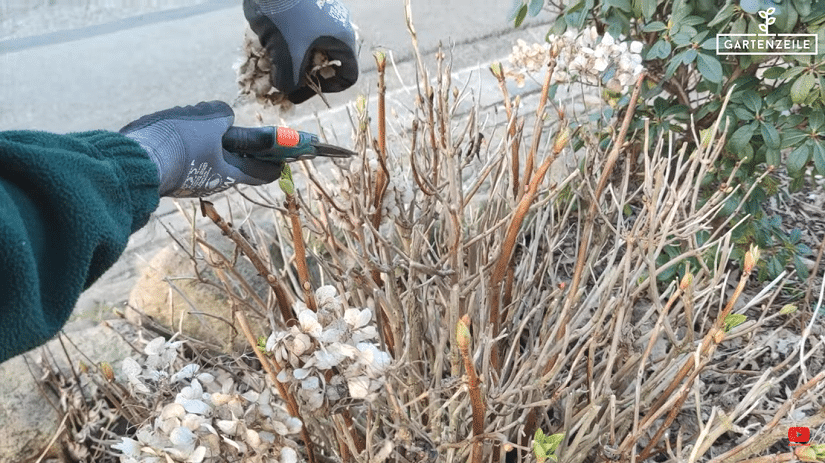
x=333, y=340
x=584, y=57
x=207, y=418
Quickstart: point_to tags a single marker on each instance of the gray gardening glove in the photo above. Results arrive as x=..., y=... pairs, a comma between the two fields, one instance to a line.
x=185, y=143
x=292, y=31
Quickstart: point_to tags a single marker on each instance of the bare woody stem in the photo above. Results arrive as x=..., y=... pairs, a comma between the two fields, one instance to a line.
x=464, y=340
x=291, y=403
x=281, y=296
x=381, y=179
x=534, y=147
x=512, y=233
x=709, y=343
x=498, y=72
x=584, y=246
x=300, y=252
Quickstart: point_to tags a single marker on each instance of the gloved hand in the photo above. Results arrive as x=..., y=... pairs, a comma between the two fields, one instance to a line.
x=185, y=143
x=292, y=31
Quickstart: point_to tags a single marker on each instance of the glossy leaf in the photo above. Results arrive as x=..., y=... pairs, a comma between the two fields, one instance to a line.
x=773, y=157
x=655, y=26
x=819, y=157
x=797, y=160
x=792, y=72
x=648, y=8
x=522, y=13
x=659, y=50
x=689, y=55
x=801, y=87
x=752, y=101
x=723, y=16
x=773, y=73
x=710, y=67
x=535, y=7
x=816, y=120
x=741, y=137
x=770, y=135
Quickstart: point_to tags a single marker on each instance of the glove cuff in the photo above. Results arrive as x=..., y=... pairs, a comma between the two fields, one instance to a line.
x=138, y=174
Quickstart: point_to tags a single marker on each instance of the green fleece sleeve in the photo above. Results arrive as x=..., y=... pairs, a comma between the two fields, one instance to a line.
x=68, y=204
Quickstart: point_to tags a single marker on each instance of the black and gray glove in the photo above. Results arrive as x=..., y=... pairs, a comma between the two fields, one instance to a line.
x=292, y=31
x=185, y=143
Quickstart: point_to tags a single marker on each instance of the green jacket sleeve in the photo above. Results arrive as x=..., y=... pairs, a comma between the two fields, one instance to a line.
x=68, y=204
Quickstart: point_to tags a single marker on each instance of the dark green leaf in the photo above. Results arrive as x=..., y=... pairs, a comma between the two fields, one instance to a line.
x=801, y=268
x=822, y=87
x=693, y=20
x=792, y=72
x=801, y=88
x=773, y=157
x=648, y=8
x=774, y=72
x=710, y=67
x=803, y=7
x=559, y=26
x=747, y=152
x=678, y=111
x=689, y=55
x=522, y=13
x=819, y=157
x=655, y=26
x=673, y=65
x=802, y=249
x=709, y=44
x=770, y=135
x=740, y=26
x=743, y=114
x=681, y=39
x=740, y=138
x=774, y=267
x=577, y=14
x=792, y=137
x=535, y=7
x=752, y=101
x=815, y=120
x=517, y=4
x=698, y=38
x=797, y=160
x=659, y=50
x=723, y=16
x=623, y=5
x=795, y=235
x=681, y=10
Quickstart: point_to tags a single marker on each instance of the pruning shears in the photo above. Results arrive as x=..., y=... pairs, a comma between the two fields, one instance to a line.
x=279, y=144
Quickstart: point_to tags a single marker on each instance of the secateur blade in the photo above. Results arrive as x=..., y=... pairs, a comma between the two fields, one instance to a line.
x=279, y=144
x=332, y=151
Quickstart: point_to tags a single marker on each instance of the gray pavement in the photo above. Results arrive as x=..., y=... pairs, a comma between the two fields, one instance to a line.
x=104, y=78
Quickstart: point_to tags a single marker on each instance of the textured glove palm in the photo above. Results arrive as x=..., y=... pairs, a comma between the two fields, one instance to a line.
x=185, y=144
x=292, y=31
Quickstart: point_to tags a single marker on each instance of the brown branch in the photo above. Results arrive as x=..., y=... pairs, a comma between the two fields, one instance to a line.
x=508, y=245
x=267, y=364
x=464, y=339
x=584, y=247
x=749, y=446
x=300, y=252
x=281, y=296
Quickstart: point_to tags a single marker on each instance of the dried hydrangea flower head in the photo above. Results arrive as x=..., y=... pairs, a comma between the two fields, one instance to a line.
x=207, y=417
x=585, y=57
x=334, y=341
